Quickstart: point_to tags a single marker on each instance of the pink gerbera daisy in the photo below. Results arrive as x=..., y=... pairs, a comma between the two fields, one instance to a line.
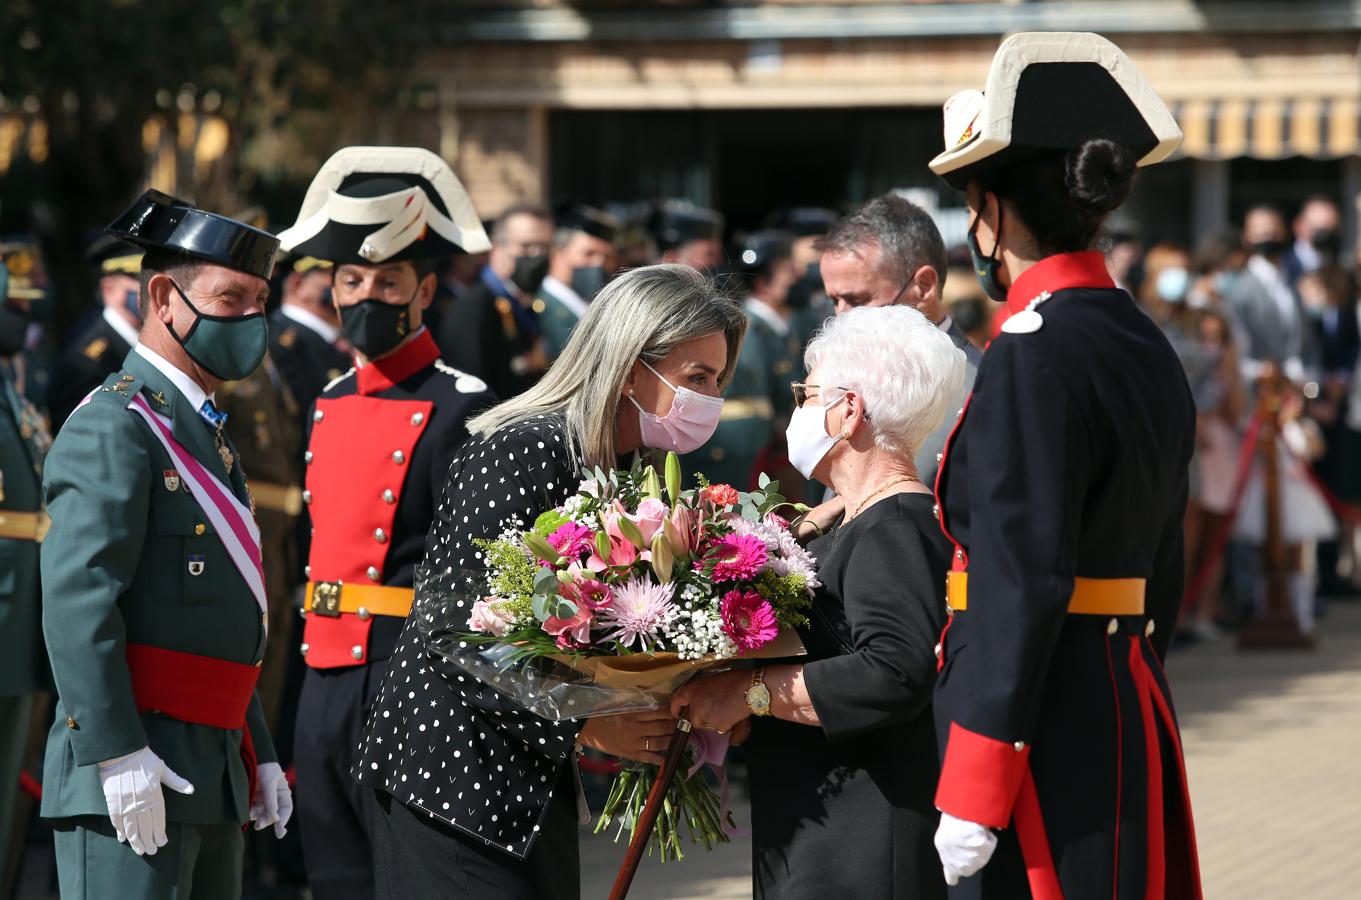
x=638, y=612
x=748, y=619
x=740, y=557
x=572, y=540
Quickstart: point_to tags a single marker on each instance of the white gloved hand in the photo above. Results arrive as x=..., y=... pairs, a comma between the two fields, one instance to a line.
x=964, y=847
x=273, y=801
x=132, y=792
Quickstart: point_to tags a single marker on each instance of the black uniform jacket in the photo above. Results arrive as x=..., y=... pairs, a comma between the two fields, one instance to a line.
x=1069, y=461
x=92, y=356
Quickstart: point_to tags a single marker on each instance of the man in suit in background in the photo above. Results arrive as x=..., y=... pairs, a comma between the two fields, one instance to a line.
x=1263, y=302
x=306, y=342
x=887, y=253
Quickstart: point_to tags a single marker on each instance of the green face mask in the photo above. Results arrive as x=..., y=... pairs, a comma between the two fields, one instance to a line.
x=227, y=347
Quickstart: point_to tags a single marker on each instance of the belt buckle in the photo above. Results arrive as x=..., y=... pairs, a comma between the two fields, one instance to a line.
x=326, y=599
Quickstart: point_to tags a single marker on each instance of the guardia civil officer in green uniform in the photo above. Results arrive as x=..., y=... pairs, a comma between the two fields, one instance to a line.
x=23, y=670
x=153, y=602
x=583, y=258
x=759, y=389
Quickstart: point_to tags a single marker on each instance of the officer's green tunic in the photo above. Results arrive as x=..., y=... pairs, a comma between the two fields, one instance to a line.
x=23, y=668
x=115, y=570
x=557, y=320
x=748, y=424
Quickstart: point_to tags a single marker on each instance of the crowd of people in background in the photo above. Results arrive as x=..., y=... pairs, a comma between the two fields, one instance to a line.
x=1265, y=311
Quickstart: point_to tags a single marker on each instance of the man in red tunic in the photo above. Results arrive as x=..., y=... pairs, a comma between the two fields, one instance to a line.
x=381, y=439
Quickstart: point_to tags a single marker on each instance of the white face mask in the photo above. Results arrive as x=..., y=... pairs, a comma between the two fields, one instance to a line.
x=692, y=420
x=807, y=436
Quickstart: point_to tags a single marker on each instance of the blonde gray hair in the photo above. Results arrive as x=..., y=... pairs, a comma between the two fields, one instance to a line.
x=907, y=370
x=644, y=314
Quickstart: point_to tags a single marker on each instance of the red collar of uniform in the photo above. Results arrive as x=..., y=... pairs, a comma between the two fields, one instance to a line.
x=381, y=374
x=1056, y=273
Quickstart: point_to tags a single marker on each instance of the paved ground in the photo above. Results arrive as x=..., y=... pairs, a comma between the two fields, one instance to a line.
x=1273, y=747
x=1273, y=752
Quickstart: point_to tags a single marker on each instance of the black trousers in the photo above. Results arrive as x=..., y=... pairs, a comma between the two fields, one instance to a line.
x=418, y=856
x=333, y=811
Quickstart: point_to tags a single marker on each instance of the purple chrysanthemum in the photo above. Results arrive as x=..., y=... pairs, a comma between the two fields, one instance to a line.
x=741, y=557
x=639, y=610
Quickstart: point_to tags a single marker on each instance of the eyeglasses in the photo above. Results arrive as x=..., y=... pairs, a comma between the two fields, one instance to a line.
x=802, y=391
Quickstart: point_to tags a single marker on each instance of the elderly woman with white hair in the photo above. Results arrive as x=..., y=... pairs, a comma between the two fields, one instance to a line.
x=843, y=757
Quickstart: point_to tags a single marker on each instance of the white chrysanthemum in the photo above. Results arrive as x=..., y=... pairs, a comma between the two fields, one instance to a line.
x=639, y=611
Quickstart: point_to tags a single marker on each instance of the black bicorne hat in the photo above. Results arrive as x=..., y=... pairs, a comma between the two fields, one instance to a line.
x=372, y=205
x=158, y=221
x=587, y=219
x=1047, y=93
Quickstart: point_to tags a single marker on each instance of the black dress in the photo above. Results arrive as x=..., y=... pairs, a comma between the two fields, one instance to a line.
x=487, y=786
x=845, y=810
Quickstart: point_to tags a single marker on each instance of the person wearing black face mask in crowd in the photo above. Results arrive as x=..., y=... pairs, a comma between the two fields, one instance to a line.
x=380, y=444
x=100, y=347
x=806, y=224
x=1264, y=303
x=688, y=234
x=1318, y=238
x=306, y=340
x=492, y=330
x=583, y=258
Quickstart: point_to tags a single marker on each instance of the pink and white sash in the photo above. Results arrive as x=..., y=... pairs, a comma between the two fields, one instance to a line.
x=232, y=520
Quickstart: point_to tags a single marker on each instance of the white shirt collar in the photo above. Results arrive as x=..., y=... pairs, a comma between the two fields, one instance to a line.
x=308, y=319
x=120, y=325
x=182, y=382
x=763, y=311
x=565, y=295
x=946, y=324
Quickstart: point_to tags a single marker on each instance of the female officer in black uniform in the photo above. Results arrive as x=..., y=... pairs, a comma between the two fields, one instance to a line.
x=1063, y=491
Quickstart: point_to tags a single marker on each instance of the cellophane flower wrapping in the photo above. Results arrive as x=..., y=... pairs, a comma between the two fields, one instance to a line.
x=610, y=602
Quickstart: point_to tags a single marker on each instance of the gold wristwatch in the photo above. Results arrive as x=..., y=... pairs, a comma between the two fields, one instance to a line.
x=758, y=695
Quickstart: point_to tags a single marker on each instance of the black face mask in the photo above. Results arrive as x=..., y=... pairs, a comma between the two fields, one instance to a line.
x=1327, y=242
x=1269, y=249
x=530, y=272
x=968, y=314
x=376, y=328
x=13, y=329
x=586, y=280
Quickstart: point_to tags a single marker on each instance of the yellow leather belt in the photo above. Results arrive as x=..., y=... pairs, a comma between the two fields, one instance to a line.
x=1091, y=596
x=331, y=598
x=287, y=500
x=746, y=408
x=23, y=526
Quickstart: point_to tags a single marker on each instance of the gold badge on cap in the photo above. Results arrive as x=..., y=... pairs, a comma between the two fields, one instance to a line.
x=172, y=480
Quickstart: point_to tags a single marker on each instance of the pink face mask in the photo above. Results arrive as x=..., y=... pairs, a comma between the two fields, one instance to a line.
x=692, y=420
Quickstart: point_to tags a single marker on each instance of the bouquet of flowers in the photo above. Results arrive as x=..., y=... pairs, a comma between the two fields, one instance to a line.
x=611, y=601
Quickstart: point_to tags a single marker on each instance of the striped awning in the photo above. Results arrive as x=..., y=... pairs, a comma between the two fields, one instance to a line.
x=1316, y=127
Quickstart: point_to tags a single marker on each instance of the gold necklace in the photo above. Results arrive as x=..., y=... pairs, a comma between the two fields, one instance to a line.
x=882, y=486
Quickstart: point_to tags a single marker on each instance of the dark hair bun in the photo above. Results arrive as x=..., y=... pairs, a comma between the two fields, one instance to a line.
x=1099, y=174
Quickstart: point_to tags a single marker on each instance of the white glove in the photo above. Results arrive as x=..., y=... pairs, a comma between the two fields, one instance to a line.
x=964, y=847
x=132, y=792
x=273, y=801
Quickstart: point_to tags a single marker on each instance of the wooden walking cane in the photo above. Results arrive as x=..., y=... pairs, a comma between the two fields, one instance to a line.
x=642, y=831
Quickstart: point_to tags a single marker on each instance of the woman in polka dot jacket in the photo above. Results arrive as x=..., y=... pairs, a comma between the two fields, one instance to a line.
x=475, y=796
